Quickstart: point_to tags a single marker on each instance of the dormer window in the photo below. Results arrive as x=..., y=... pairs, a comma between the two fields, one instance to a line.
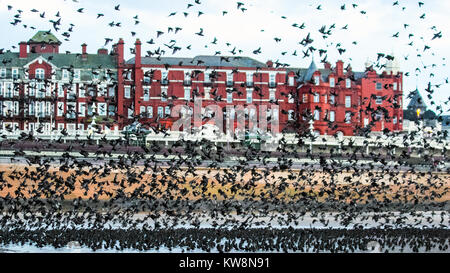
x=39, y=74
x=77, y=74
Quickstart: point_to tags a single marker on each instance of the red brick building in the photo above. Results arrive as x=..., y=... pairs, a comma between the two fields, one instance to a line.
x=42, y=88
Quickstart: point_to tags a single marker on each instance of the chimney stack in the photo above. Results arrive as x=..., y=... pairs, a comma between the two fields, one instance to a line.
x=137, y=52
x=83, y=51
x=102, y=51
x=340, y=68
x=23, y=50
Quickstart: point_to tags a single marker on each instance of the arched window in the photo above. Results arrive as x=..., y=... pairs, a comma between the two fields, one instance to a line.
x=39, y=73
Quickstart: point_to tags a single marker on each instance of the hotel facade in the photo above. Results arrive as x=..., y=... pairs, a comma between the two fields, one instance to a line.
x=42, y=90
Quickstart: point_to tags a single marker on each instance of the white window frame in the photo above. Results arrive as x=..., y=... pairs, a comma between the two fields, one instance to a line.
x=379, y=100
x=187, y=93
x=65, y=75
x=2, y=73
x=317, y=80
x=316, y=114
x=305, y=98
x=15, y=73
x=348, y=117
x=102, y=111
x=332, y=99
x=348, y=83
x=229, y=97
x=39, y=73
x=81, y=109
x=146, y=95
x=332, y=82
x=77, y=74
x=332, y=117
x=127, y=92
x=160, y=111
x=60, y=109
x=316, y=98
x=348, y=101
x=249, y=96
x=163, y=93
x=291, y=114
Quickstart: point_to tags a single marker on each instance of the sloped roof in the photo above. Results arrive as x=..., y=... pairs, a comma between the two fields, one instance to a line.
x=417, y=101
x=44, y=37
x=11, y=59
x=204, y=60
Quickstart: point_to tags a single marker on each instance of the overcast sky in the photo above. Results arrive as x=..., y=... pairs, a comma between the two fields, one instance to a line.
x=371, y=25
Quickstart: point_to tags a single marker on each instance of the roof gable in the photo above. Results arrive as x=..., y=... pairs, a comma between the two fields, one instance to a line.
x=44, y=37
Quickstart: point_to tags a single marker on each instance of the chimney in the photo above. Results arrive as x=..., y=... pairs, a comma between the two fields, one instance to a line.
x=269, y=63
x=23, y=50
x=83, y=51
x=102, y=51
x=340, y=68
x=137, y=51
x=119, y=52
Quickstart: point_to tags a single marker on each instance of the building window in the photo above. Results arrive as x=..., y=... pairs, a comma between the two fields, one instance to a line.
x=379, y=100
x=275, y=114
x=127, y=92
x=207, y=79
x=249, y=96
x=316, y=97
x=146, y=93
x=82, y=109
x=40, y=90
x=149, y=111
x=305, y=98
x=395, y=86
x=142, y=110
x=71, y=111
x=164, y=77
x=325, y=98
x=77, y=74
x=332, y=82
x=39, y=74
x=111, y=110
x=229, y=96
x=60, y=91
x=15, y=73
x=348, y=117
x=95, y=75
x=332, y=116
x=9, y=90
x=394, y=120
x=160, y=111
x=60, y=110
x=332, y=99
x=348, y=101
x=317, y=80
x=16, y=108
x=167, y=110
x=31, y=107
x=316, y=115
x=291, y=115
x=82, y=92
x=348, y=83
x=187, y=78
x=272, y=80
x=164, y=93
x=229, y=78
x=101, y=109
x=249, y=78
x=272, y=96
x=65, y=74
x=187, y=93
x=290, y=98
x=366, y=122
x=291, y=81
x=2, y=73
x=379, y=86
